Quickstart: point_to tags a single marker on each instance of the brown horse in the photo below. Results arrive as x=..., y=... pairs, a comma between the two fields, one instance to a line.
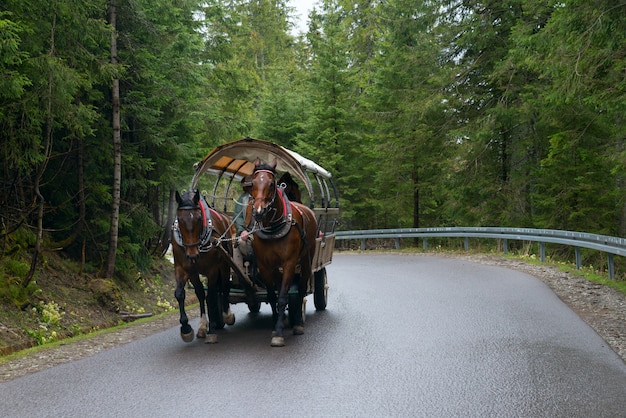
x=284, y=239
x=197, y=232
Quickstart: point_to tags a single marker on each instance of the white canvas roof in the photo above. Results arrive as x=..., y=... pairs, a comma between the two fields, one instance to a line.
x=236, y=159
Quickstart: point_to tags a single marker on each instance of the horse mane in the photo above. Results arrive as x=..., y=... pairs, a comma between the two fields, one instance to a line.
x=187, y=198
x=287, y=178
x=264, y=166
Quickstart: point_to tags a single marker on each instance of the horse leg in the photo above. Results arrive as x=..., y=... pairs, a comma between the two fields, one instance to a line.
x=277, y=337
x=298, y=325
x=186, y=331
x=283, y=299
x=305, y=277
x=227, y=314
x=213, y=310
x=198, y=288
x=272, y=300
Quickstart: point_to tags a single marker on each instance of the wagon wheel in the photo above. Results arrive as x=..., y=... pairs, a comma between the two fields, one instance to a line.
x=296, y=309
x=320, y=296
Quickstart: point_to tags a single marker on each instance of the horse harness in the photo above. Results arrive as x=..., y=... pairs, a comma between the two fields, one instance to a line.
x=280, y=227
x=204, y=243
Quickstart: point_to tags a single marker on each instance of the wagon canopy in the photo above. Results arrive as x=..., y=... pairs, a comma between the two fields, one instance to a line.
x=236, y=160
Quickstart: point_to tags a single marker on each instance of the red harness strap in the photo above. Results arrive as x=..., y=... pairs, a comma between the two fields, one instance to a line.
x=204, y=214
x=204, y=207
x=296, y=208
x=286, y=211
x=216, y=213
x=282, y=197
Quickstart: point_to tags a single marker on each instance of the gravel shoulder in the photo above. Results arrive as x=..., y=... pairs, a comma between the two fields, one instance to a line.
x=603, y=308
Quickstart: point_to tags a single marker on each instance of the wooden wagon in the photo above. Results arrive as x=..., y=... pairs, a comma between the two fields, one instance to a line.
x=218, y=177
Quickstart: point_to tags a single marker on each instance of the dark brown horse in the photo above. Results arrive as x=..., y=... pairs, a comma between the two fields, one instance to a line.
x=197, y=232
x=284, y=240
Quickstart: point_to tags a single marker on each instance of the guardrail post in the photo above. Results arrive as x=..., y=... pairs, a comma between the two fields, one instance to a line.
x=505, y=245
x=466, y=244
x=425, y=244
x=611, y=266
x=542, y=251
x=578, y=262
x=397, y=243
x=363, y=244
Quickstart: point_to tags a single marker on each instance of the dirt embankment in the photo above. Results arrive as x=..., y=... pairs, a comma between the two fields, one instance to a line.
x=67, y=304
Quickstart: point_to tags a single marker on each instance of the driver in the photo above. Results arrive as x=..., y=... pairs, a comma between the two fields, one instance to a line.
x=243, y=247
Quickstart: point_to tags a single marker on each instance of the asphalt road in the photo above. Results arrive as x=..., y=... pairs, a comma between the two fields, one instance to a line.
x=403, y=336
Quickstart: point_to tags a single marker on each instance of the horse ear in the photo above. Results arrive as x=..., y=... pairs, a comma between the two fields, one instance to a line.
x=274, y=163
x=196, y=197
x=257, y=162
x=179, y=199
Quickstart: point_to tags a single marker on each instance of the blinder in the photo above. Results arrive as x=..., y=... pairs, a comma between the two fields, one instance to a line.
x=204, y=242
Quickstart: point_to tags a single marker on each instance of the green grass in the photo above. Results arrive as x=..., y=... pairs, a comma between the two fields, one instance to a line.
x=65, y=341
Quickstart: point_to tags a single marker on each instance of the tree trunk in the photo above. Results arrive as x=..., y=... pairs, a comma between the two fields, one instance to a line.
x=81, y=200
x=117, y=151
x=167, y=233
x=44, y=164
x=82, y=209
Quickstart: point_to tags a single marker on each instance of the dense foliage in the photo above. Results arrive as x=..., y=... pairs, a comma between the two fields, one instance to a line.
x=433, y=113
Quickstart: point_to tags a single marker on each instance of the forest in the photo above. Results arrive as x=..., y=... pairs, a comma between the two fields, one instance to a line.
x=506, y=113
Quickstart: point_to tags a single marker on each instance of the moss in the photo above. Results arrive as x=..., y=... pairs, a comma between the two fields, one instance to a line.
x=107, y=293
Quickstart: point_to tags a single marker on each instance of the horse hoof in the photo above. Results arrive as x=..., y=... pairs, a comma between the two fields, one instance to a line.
x=278, y=341
x=202, y=328
x=211, y=339
x=229, y=318
x=298, y=330
x=187, y=337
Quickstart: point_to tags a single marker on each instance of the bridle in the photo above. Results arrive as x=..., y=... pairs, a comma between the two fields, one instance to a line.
x=204, y=242
x=270, y=203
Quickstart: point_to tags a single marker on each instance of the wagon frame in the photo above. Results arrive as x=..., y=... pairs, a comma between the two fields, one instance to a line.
x=227, y=164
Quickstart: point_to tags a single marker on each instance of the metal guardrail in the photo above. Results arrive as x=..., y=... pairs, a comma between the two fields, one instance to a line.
x=607, y=244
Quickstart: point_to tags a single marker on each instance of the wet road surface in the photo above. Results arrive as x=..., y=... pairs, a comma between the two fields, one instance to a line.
x=403, y=336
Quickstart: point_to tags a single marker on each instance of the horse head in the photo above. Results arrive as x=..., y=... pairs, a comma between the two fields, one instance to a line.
x=263, y=189
x=190, y=223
